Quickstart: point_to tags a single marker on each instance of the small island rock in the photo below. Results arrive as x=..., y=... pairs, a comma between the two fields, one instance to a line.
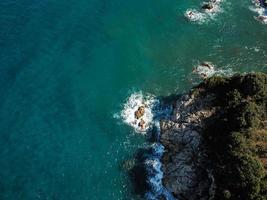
x=140, y=112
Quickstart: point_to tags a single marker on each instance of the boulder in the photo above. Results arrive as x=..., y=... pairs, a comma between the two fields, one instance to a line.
x=142, y=124
x=183, y=161
x=139, y=112
x=207, y=6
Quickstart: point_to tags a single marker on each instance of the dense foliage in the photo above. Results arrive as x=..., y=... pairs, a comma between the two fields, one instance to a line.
x=236, y=135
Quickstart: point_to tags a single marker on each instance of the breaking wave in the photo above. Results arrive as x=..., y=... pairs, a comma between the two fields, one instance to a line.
x=207, y=69
x=152, y=115
x=259, y=8
x=207, y=12
x=155, y=175
x=135, y=101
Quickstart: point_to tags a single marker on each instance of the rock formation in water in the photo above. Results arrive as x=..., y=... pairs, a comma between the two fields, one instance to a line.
x=216, y=141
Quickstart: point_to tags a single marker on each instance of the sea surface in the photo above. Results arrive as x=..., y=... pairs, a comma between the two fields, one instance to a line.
x=67, y=69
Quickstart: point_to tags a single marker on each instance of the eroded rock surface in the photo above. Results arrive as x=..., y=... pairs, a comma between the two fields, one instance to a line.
x=183, y=162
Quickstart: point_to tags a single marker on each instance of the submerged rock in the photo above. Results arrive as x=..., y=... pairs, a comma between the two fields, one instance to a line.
x=262, y=19
x=205, y=69
x=129, y=164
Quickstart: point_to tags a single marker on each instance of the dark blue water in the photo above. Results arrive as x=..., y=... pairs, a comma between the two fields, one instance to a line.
x=66, y=67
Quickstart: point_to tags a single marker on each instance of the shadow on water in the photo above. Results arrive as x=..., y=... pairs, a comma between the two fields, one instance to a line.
x=139, y=174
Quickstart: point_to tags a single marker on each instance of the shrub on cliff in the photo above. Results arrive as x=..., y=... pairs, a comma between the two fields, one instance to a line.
x=255, y=85
x=245, y=115
x=236, y=146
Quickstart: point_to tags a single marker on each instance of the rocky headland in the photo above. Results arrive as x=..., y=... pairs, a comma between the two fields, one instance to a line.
x=213, y=143
x=216, y=140
x=184, y=169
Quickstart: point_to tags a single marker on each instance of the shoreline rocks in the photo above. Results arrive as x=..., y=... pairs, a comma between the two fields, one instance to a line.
x=138, y=114
x=221, y=120
x=183, y=161
x=218, y=120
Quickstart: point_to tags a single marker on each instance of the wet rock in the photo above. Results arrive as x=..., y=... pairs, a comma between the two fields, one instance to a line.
x=140, y=112
x=182, y=162
x=262, y=18
x=207, y=6
x=142, y=124
x=207, y=64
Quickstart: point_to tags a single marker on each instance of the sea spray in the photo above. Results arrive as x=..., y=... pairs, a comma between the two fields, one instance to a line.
x=208, y=69
x=154, y=112
x=155, y=175
x=260, y=9
x=153, y=163
x=203, y=15
x=135, y=101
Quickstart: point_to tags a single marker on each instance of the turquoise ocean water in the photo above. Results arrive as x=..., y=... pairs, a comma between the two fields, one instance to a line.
x=67, y=67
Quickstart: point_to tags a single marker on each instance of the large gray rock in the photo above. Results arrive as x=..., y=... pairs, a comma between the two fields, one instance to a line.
x=183, y=161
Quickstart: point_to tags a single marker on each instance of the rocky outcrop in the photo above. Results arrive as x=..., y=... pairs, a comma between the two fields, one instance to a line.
x=210, y=144
x=139, y=112
x=183, y=162
x=207, y=6
x=216, y=140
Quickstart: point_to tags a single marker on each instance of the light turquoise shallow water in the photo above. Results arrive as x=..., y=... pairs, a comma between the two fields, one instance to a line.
x=68, y=66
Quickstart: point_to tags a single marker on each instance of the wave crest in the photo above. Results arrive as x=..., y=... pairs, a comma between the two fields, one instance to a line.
x=135, y=101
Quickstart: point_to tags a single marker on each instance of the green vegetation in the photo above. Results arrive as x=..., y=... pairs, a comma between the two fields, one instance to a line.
x=236, y=135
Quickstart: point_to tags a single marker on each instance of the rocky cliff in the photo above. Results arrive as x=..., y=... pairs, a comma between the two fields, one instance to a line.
x=216, y=140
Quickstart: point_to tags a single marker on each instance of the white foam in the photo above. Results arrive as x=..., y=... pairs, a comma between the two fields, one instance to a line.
x=158, y=149
x=214, y=10
x=155, y=174
x=155, y=180
x=262, y=19
x=257, y=9
x=207, y=69
x=203, y=15
x=132, y=104
x=260, y=10
x=195, y=16
x=152, y=115
x=216, y=1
